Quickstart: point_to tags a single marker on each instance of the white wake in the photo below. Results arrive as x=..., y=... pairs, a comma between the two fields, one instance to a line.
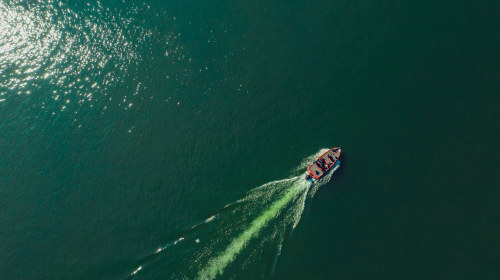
x=245, y=237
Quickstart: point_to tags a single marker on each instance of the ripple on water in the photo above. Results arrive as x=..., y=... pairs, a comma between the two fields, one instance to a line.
x=71, y=58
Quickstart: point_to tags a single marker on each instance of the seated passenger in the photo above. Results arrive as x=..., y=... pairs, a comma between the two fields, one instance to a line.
x=320, y=167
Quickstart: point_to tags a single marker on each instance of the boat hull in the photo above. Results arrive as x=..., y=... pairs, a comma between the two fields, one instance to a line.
x=323, y=164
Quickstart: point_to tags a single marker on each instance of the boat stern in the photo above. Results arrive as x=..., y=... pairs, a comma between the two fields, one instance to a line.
x=309, y=178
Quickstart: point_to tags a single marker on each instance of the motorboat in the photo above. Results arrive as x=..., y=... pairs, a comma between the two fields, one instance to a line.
x=323, y=164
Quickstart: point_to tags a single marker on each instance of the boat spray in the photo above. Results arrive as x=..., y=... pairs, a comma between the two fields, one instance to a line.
x=246, y=235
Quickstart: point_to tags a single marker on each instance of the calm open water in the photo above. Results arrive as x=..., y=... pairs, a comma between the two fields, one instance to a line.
x=167, y=139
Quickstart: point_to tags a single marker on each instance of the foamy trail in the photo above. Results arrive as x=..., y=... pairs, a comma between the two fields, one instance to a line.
x=217, y=265
x=243, y=239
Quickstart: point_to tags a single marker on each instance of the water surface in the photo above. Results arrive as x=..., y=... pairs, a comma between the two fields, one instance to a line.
x=126, y=124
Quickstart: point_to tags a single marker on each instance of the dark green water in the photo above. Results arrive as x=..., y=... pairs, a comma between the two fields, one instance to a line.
x=134, y=135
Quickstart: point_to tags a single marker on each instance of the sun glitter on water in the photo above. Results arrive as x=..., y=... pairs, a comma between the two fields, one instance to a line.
x=68, y=59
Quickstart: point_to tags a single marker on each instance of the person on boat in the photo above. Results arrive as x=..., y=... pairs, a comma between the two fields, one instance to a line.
x=321, y=165
x=331, y=158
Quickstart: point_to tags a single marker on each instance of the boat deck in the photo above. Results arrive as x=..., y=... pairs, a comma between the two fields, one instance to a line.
x=327, y=160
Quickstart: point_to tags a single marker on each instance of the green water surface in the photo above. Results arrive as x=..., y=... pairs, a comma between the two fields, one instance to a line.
x=125, y=123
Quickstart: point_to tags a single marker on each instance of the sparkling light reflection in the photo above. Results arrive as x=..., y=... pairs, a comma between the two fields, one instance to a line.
x=69, y=56
x=47, y=48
